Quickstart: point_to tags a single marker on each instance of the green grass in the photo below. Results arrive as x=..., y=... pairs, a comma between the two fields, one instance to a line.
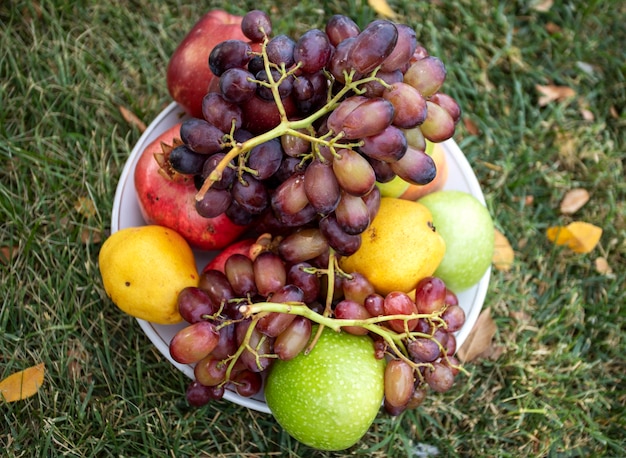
x=557, y=389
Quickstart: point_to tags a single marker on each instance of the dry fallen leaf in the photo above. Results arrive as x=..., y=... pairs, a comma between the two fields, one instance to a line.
x=471, y=126
x=579, y=236
x=503, y=254
x=382, y=8
x=602, y=266
x=8, y=253
x=573, y=200
x=85, y=206
x=552, y=28
x=551, y=93
x=90, y=235
x=479, y=338
x=543, y=5
x=22, y=384
x=132, y=119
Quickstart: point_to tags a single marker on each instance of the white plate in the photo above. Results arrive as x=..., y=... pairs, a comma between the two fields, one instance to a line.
x=126, y=213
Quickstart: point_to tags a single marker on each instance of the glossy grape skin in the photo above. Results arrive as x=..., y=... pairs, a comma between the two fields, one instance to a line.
x=201, y=136
x=417, y=398
x=239, y=215
x=426, y=75
x=229, y=54
x=256, y=25
x=269, y=273
x=368, y=118
x=275, y=323
x=184, y=160
x=239, y=271
x=354, y=174
x=415, y=138
x=348, y=309
x=357, y=288
x=405, y=47
x=194, y=342
x=251, y=194
x=216, y=285
x=247, y=383
x=338, y=116
x=343, y=243
x=290, y=196
x=390, y=145
x=430, y=295
x=447, y=103
x=303, y=245
x=374, y=304
x=198, y=395
x=398, y=303
x=352, y=214
x=373, y=45
x=289, y=343
x=224, y=115
x=227, y=344
x=399, y=383
x=228, y=174
x=440, y=378
x=382, y=170
x=308, y=282
x=214, y=202
x=340, y=27
x=195, y=304
x=237, y=85
x=450, y=345
x=321, y=187
x=451, y=297
x=423, y=350
x=454, y=316
x=312, y=50
x=372, y=201
x=416, y=167
x=408, y=103
x=280, y=50
x=210, y=371
x=266, y=158
x=438, y=125
x=340, y=64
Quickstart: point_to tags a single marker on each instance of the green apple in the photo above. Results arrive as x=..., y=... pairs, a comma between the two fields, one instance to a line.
x=329, y=398
x=394, y=188
x=467, y=228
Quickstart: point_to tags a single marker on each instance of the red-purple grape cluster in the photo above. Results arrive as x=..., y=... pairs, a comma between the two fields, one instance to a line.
x=262, y=307
x=296, y=132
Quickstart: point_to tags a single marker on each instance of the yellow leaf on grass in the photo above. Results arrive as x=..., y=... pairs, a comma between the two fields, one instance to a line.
x=550, y=93
x=382, y=8
x=579, y=236
x=479, y=339
x=503, y=254
x=22, y=384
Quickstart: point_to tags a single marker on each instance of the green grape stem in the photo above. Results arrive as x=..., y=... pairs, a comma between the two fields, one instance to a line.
x=394, y=340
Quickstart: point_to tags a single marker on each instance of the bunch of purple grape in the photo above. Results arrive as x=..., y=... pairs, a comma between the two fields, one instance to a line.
x=298, y=131
x=262, y=307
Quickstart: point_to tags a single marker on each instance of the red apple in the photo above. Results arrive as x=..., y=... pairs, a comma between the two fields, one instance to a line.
x=188, y=73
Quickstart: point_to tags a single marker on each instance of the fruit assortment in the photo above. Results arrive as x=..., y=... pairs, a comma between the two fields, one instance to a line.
x=287, y=148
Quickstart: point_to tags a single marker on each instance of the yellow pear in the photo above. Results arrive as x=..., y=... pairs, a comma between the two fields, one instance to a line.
x=144, y=269
x=400, y=247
